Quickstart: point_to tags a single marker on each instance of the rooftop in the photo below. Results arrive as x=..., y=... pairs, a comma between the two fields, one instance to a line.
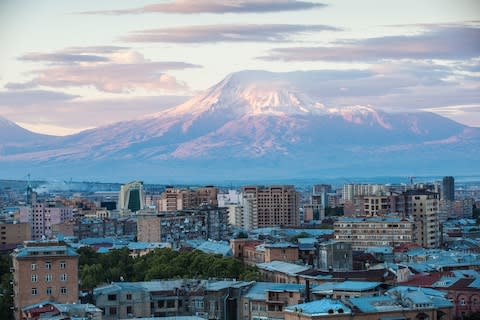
x=283, y=267
x=258, y=290
x=320, y=307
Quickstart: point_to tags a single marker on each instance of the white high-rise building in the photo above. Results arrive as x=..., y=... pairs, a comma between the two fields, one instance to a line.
x=132, y=196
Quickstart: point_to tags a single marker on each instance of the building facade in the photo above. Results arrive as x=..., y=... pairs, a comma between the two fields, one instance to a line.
x=42, y=216
x=44, y=271
x=132, y=196
x=271, y=206
x=175, y=227
x=363, y=233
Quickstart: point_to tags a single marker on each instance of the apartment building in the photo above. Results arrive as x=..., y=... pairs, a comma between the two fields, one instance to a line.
x=13, y=233
x=271, y=206
x=363, y=233
x=42, y=216
x=44, y=271
x=175, y=227
x=174, y=199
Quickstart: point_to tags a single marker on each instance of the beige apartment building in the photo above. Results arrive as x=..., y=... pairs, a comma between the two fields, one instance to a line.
x=44, y=271
x=363, y=233
x=271, y=206
x=425, y=216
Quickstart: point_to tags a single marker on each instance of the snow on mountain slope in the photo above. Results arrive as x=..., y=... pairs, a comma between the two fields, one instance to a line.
x=251, y=116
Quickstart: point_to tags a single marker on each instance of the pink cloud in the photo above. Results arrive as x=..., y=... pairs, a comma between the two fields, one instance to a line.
x=217, y=6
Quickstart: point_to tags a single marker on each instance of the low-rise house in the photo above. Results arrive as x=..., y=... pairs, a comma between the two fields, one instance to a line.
x=347, y=289
x=280, y=271
x=61, y=311
x=397, y=303
x=267, y=300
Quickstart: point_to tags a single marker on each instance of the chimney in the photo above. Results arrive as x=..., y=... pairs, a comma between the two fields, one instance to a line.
x=307, y=289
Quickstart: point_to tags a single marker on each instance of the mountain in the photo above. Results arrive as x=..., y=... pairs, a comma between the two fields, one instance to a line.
x=257, y=124
x=16, y=139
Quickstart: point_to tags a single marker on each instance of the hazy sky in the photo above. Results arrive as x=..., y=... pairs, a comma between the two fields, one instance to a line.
x=70, y=65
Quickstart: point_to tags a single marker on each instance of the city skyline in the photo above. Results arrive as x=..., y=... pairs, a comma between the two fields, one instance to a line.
x=67, y=67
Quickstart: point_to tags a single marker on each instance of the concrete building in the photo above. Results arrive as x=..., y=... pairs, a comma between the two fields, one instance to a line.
x=229, y=198
x=376, y=205
x=132, y=196
x=212, y=299
x=353, y=190
x=174, y=199
x=363, y=233
x=335, y=256
x=271, y=206
x=426, y=221
x=12, y=233
x=175, y=227
x=448, y=188
x=44, y=271
x=396, y=303
x=42, y=216
x=267, y=300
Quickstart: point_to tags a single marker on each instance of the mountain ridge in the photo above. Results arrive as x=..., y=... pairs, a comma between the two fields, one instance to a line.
x=258, y=122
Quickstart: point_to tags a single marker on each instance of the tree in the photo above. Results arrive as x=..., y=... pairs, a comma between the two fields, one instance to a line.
x=6, y=291
x=242, y=235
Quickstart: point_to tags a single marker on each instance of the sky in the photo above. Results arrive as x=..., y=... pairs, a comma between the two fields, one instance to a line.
x=67, y=66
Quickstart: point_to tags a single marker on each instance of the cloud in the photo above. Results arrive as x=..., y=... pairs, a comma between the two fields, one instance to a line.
x=111, y=69
x=217, y=7
x=66, y=117
x=62, y=57
x=225, y=33
x=30, y=97
x=443, y=42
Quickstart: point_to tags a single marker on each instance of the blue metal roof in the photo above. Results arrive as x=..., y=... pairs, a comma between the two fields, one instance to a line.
x=320, y=307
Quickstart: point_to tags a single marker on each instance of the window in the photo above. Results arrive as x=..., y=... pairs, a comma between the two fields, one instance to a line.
x=129, y=296
x=48, y=277
x=63, y=290
x=170, y=304
x=49, y=291
x=63, y=277
x=34, y=291
x=112, y=311
x=462, y=301
x=34, y=278
x=48, y=265
x=129, y=310
x=34, y=266
x=62, y=264
x=112, y=297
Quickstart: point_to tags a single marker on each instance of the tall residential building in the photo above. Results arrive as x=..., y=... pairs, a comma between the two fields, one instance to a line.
x=44, y=271
x=426, y=220
x=448, y=188
x=271, y=206
x=423, y=206
x=132, y=196
x=42, y=216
